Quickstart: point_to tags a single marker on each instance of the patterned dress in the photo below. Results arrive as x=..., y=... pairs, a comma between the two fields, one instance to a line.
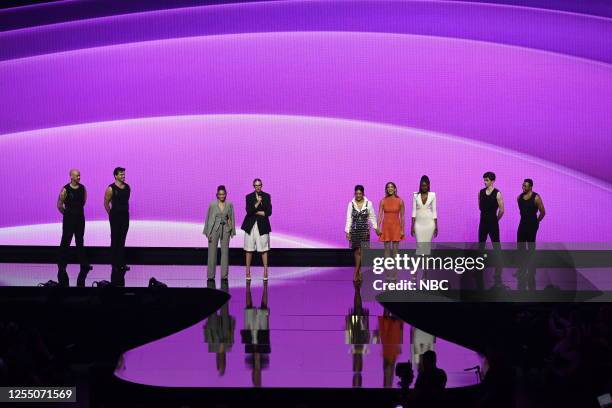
x=360, y=228
x=357, y=330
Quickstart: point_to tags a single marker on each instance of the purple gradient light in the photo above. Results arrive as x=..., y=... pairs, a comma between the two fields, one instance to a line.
x=312, y=112
x=543, y=104
x=182, y=169
x=547, y=28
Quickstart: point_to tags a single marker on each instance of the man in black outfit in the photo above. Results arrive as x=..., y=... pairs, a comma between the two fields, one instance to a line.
x=532, y=212
x=491, y=205
x=256, y=226
x=71, y=203
x=116, y=203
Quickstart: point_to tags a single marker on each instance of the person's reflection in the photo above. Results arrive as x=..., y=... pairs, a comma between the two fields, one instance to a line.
x=256, y=333
x=420, y=342
x=219, y=330
x=526, y=273
x=357, y=334
x=495, y=261
x=391, y=332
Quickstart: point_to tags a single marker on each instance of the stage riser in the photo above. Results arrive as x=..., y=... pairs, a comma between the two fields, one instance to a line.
x=278, y=257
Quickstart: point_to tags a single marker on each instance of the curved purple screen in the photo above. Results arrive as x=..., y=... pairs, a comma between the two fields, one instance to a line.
x=312, y=108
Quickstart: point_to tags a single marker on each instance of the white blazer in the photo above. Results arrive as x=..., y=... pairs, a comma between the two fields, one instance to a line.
x=349, y=214
x=430, y=204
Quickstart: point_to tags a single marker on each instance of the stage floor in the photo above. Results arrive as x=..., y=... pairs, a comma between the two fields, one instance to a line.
x=194, y=276
x=307, y=345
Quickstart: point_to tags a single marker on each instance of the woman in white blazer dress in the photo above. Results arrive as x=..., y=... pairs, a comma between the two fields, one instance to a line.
x=424, y=213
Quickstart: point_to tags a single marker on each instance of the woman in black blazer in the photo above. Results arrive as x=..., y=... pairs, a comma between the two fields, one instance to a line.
x=256, y=226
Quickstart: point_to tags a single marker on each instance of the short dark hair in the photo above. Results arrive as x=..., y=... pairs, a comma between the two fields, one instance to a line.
x=490, y=175
x=359, y=187
x=118, y=170
x=528, y=181
x=256, y=180
x=221, y=188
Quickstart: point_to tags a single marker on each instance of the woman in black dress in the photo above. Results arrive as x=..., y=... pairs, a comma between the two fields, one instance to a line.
x=360, y=215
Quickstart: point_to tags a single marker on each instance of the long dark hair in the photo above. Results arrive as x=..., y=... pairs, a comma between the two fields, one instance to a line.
x=394, y=186
x=424, y=179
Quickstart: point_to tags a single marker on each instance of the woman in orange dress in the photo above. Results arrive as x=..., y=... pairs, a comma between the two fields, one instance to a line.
x=391, y=333
x=391, y=216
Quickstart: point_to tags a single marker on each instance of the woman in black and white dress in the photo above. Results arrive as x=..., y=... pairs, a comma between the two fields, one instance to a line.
x=360, y=216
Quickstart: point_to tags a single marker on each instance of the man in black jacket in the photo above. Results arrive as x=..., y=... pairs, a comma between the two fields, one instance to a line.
x=256, y=226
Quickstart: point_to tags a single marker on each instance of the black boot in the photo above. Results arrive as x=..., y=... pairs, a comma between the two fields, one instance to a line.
x=83, y=275
x=62, y=277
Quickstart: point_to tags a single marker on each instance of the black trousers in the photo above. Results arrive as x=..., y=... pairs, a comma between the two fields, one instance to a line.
x=527, y=231
x=72, y=225
x=489, y=227
x=526, y=238
x=119, y=223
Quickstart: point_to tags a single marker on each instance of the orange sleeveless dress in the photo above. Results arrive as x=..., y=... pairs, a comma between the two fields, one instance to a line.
x=391, y=336
x=391, y=227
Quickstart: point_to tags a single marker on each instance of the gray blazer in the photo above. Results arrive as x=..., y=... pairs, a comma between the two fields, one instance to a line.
x=215, y=216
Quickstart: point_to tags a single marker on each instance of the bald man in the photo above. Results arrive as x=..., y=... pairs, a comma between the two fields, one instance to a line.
x=70, y=204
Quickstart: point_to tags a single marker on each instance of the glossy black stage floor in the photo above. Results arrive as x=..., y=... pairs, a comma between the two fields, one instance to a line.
x=582, y=255
x=314, y=331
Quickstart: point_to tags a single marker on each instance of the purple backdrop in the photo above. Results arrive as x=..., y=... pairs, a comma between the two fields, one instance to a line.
x=190, y=98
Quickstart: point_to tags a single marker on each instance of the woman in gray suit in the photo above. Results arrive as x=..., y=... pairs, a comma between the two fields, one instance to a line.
x=219, y=226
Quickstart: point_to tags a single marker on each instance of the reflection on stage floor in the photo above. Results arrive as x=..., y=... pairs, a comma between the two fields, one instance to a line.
x=306, y=327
